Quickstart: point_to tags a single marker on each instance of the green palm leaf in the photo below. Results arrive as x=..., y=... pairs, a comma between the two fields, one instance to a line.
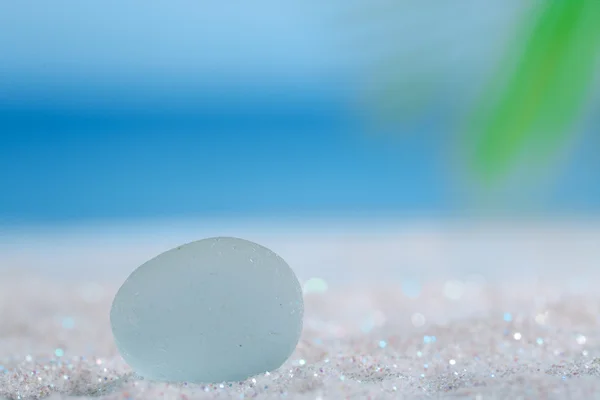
x=537, y=104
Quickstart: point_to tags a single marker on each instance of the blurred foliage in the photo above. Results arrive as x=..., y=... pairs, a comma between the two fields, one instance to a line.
x=540, y=90
x=529, y=105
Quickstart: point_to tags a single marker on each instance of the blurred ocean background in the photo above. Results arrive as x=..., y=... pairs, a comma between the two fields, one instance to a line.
x=126, y=128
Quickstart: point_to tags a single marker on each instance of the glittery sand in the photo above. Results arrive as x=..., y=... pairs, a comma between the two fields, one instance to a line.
x=470, y=336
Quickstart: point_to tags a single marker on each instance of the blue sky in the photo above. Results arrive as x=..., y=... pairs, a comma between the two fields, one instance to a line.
x=126, y=110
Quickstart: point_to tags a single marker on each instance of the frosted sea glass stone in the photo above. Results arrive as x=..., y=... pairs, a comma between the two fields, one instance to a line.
x=219, y=309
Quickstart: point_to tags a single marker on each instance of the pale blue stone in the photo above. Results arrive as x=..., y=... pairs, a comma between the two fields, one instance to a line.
x=219, y=309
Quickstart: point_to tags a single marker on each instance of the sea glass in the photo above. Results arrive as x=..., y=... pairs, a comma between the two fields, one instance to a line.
x=214, y=310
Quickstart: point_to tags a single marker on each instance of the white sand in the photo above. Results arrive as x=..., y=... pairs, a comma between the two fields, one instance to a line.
x=372, y=334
